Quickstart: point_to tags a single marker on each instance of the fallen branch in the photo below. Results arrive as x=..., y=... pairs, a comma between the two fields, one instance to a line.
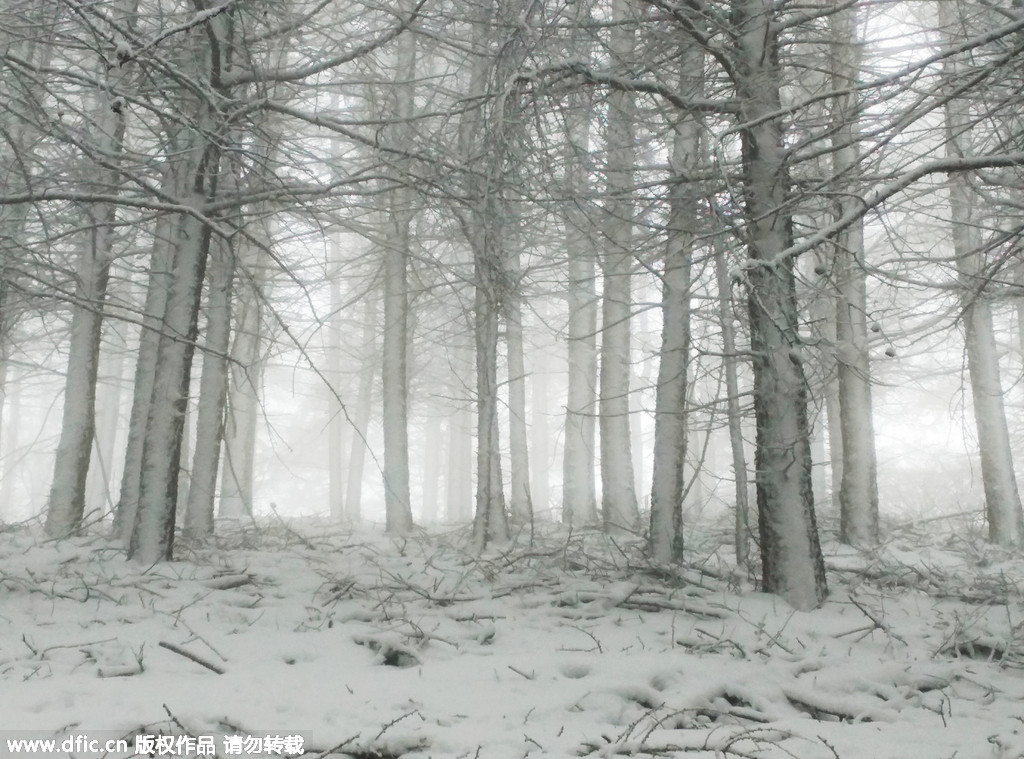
x=197, y=659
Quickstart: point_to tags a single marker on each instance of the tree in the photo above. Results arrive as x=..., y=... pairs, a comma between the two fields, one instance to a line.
x=74, y=450
x=858, y=494
x=579, y=496
x=490, y=229
x=618, y=497
x=791, y=562
x=1002, y=498
x=213, y=388
x=670, y=413
x=394, y=374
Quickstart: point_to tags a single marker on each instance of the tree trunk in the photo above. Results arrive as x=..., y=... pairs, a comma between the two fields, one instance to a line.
x=11, y=443
x=540, y=452
x=244, y=389
x=791, y=561
x=195, y=161
x=490, y=522
x=1002, y=498
x=741, y=529
x=670, y=418
x=459, y=479
x=858, y=494
x=579, y=496
x=521, y=501
x=394, y=375
x=213, y=387
x=433, y=451
x=395, y=380
x=338, y=424
x=99, y=488
x=618, y=498
x=361, y=418
x=157, y=290
x=153, y=534
x=66, y=504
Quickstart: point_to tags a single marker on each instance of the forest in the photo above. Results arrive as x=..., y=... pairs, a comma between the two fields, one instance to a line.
x=453, y=323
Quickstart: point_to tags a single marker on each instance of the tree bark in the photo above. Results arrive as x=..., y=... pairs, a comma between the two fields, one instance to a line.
x=195, y=164
x=338, y=424
x=100, y=485
x=213, y=388
x=540, y=446
x=741, y=522
x=459, y=477
x=245, y=386
x=618, y=497
x=66, y=504
x=670, y=415
x=394, y=373
x=433, y=452
x=791, y=562
x=153, y=534
x=157, y=289
x=579, y=494
x=521, y=500
x=361, y=418
x=858, y=494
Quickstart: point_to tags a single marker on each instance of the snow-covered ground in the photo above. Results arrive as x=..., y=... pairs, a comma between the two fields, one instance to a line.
x=366, y=646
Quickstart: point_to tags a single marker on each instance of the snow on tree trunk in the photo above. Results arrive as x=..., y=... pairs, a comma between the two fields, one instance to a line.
x=194, y=158
x=858, y=494
x=213, y=387
x=618, y=497
x=152, y=538
x=157, y=289
x=66, y=504
x=791, y=561
x=670, y=417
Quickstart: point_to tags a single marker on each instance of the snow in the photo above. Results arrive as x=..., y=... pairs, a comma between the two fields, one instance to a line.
x=367, y=646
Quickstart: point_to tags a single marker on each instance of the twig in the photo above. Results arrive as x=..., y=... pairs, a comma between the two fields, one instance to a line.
x=528, y=676
x=394, y=722
x=197, y=659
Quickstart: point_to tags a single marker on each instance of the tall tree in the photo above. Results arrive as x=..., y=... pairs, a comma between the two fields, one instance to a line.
x=213, y=388
x=395, y=371
x=670, y=416
x=579, y=494
x=858, y=493
x=194, y=155
x=74, y=450
x=490, y=228
x=791, y=562
x=1002, y=498
x=618, y=497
